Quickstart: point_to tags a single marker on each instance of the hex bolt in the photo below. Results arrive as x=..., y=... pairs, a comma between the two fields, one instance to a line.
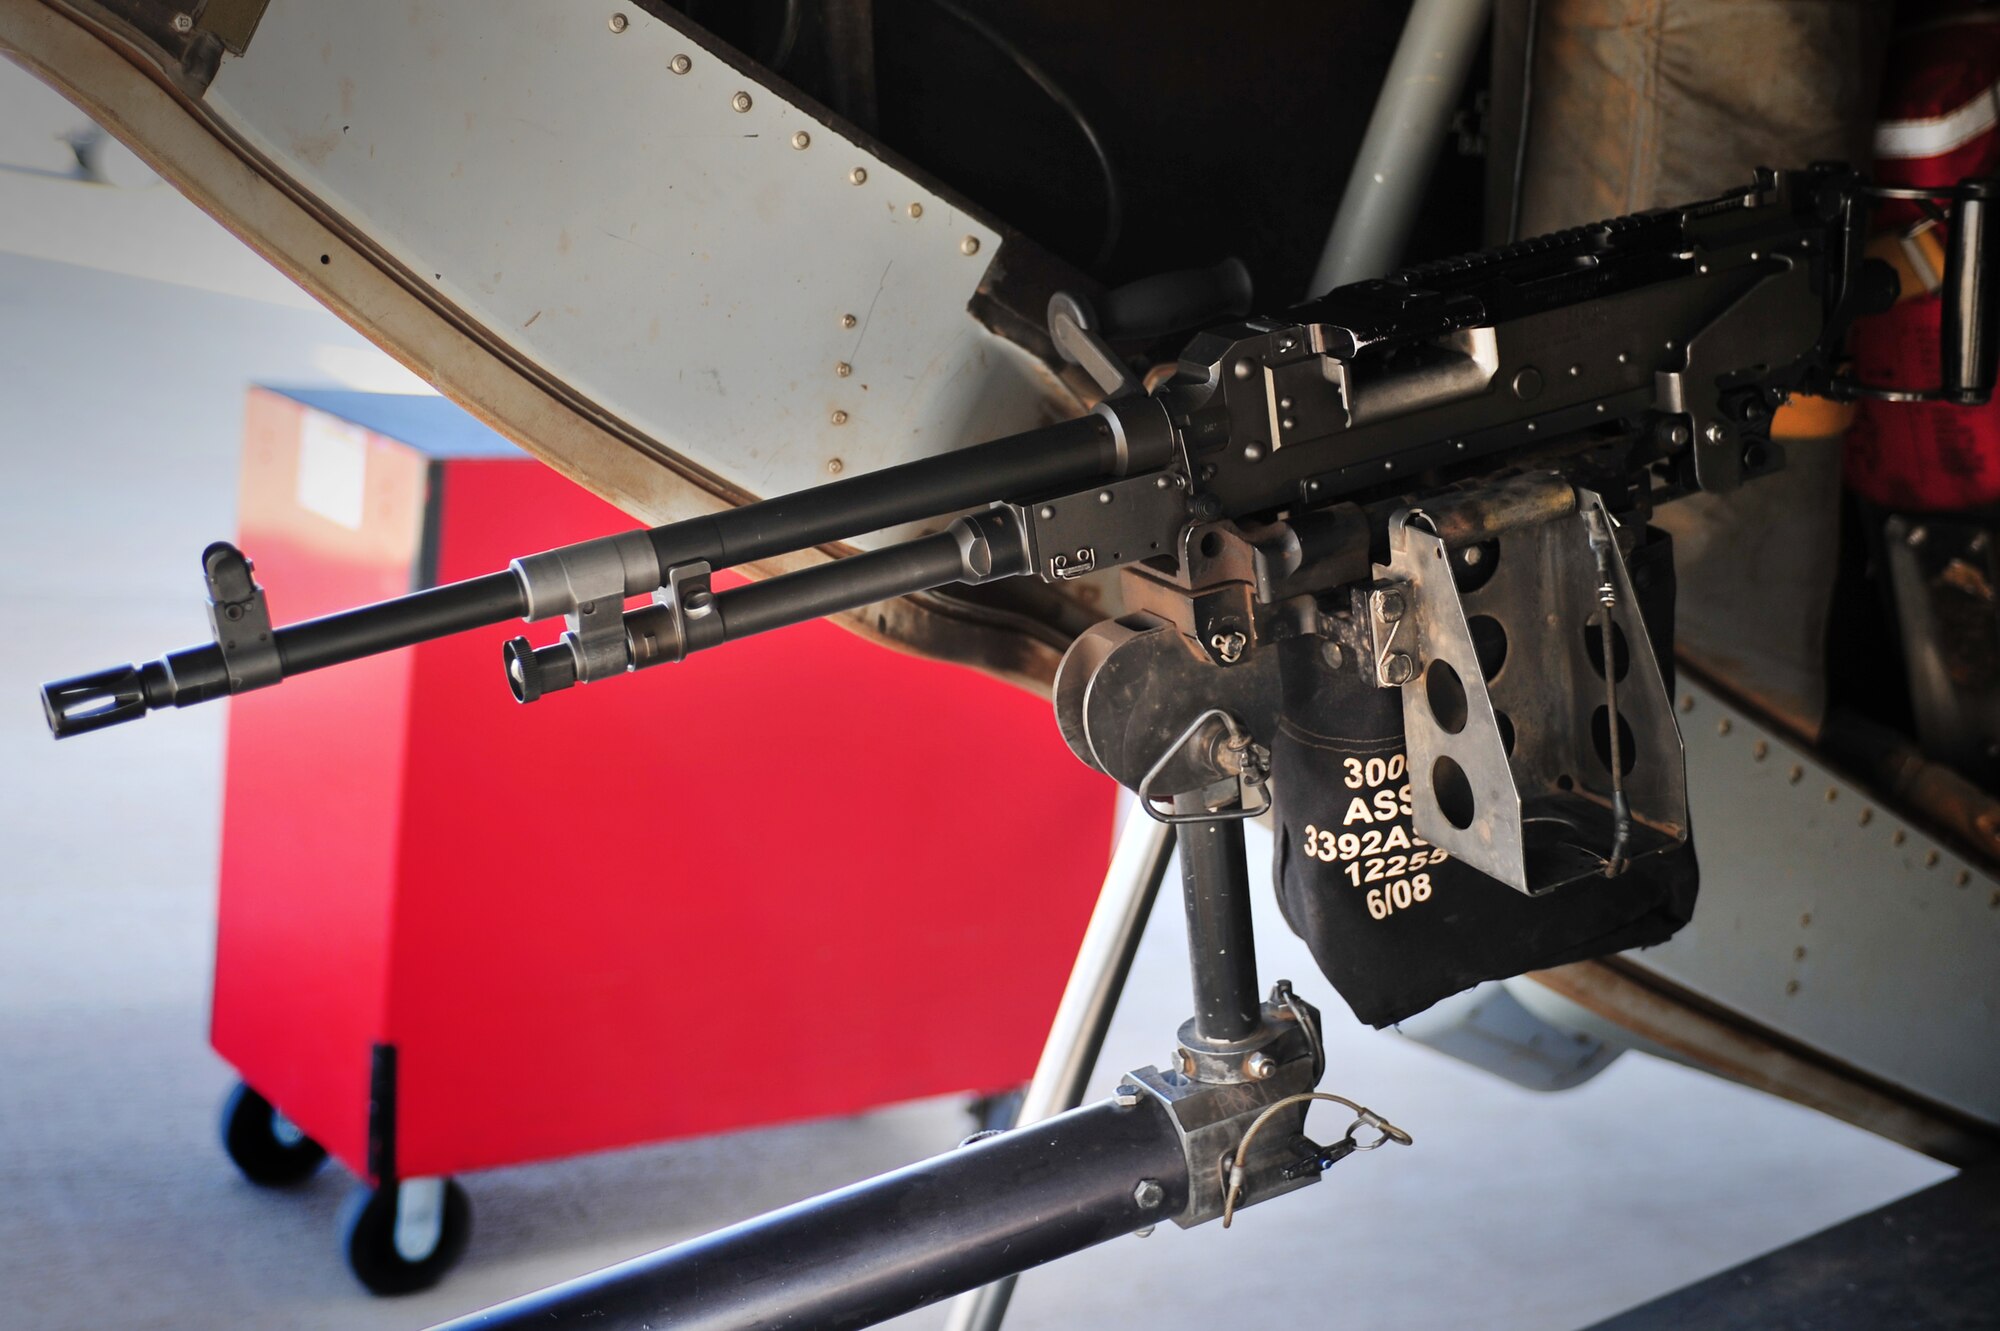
x=1126, y=1096
x=1260, y=1066
x=680, y=64
x=183, y=23
x=1389, y=606
x=1229, y=646
x=1398, y=668
x=1713, y=433
x=1149, y=1194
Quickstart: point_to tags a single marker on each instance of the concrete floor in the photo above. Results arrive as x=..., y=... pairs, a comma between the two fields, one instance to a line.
x=119, y=413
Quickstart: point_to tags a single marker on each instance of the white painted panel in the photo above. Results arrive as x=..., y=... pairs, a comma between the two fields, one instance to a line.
x=674, y=259
x=1827, y=918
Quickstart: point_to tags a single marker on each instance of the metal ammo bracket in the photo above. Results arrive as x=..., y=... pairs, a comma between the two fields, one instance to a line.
x=1490, y=617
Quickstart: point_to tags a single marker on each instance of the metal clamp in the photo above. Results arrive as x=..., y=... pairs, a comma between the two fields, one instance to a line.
x=240, y=619
x=1107, y=526
x=1233, y=755
x=587, y=585
x=1393, y=633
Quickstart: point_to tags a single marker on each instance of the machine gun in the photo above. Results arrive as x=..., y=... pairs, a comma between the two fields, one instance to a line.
x=1381, y=496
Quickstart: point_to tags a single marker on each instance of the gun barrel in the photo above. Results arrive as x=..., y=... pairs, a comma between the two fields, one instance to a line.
x=1117, y=440
x=883, y=1247
x=199, y=674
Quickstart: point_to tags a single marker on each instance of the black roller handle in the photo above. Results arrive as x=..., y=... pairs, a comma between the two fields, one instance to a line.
x=1176, y=302
x=902, y=1241
x=1073, y=452
x=1969, y=349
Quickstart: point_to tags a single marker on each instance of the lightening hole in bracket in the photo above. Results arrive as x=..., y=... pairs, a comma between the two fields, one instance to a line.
x=1593, y=643
x=1600, y=740
x=1489, y=643
x=1474, y=566
x=1445, y=692
x=1453, y=792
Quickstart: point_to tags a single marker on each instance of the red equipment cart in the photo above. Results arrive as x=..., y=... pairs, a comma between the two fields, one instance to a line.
x=457, y=933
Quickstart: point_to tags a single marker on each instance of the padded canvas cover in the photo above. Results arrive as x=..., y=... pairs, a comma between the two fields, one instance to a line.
x=1645, y=103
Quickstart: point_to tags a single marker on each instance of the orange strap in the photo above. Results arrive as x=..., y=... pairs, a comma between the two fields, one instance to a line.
x=1917, y=255
x=1807, y=417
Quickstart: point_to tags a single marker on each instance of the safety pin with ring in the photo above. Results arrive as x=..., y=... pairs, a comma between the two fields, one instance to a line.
x=1251, y=773
x=1386, y=1132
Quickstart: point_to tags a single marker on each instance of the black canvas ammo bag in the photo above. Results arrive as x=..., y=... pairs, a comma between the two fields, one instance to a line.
x=1395, y=923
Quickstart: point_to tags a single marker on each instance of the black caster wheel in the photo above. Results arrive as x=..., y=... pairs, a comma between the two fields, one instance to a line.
x=402, y=1237
x=264, y=1144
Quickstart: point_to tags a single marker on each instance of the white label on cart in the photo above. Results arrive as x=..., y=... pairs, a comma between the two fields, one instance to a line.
x=333, y=469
